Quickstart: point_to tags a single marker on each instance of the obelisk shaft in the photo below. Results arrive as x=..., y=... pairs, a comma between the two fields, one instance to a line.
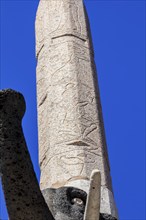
x=71, y=132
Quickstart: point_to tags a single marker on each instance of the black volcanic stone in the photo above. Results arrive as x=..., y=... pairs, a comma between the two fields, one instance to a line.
x=23, y=197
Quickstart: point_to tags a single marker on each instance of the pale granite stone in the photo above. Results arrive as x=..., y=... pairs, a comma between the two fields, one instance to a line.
x=71, y=132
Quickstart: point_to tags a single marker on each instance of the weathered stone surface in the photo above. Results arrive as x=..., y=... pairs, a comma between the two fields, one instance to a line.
x=63, y=203
x=23, y=197
x=71, y=132
x=107, y=217
x=68, y=203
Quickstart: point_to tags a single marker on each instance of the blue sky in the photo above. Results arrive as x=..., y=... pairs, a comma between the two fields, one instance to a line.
x=118, y=32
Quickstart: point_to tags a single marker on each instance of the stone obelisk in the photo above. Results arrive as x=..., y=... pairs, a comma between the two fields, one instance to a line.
x=71, y=131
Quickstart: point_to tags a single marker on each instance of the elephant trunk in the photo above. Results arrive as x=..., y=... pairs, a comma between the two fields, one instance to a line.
x=23, y=197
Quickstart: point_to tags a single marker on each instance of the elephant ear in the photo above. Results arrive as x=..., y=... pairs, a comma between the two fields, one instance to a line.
x=24, y=199
x=66, y=203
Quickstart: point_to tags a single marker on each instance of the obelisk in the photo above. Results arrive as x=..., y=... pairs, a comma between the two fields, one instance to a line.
x=71, y=132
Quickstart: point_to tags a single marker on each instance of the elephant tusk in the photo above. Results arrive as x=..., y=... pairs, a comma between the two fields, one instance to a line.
x=92, y=209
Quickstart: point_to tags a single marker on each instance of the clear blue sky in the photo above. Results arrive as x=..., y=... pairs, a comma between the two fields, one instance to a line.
x=118, y=32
